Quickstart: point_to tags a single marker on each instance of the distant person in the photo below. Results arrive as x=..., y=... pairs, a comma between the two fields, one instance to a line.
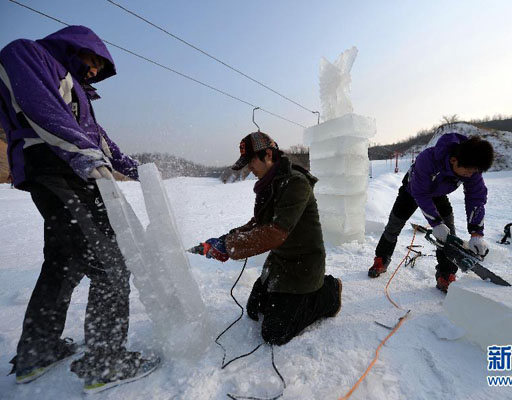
x=438, y=171
x=57, y=150
x=292, y=291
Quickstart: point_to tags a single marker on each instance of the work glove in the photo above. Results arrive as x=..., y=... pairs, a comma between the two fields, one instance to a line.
x=478, y=246
x=101, y=172
x=216, y=248
x=440, y=232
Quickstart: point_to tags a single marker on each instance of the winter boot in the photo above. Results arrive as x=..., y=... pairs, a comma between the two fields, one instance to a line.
x=339, y=289
x=444, y=282
x=125, y=367
x=63, y=349
x=380, y=265
x=139, y=368
x=257, y=300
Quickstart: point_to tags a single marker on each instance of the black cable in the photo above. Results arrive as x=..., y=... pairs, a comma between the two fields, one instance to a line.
x=236, y=397
x=277, y=371
x=201, y=83
x=224, y=365
x=39, y=12
x=208, y=55
x=165, y=67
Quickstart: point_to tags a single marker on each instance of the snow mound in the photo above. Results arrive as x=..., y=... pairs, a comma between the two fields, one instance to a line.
x=501, y=141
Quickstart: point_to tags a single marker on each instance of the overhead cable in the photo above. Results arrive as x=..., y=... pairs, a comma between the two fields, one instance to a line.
x=208, y=55
x=165, y=67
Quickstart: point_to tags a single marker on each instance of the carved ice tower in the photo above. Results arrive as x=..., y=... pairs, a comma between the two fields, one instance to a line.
x=338, y=150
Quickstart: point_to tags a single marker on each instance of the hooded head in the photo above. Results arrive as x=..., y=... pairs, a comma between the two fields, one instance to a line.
x=68, y=44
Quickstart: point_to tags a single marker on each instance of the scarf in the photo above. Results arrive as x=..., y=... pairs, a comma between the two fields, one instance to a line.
x=263, y=187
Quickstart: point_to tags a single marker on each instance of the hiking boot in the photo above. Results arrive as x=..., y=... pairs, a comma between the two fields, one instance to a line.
x=380, y=265
x=443, y=283
x=130, y=367
x=63, y=349
x=256, y=302
x=340, y=288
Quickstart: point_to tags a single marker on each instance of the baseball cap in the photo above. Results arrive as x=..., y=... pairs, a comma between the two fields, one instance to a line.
x=250, y=145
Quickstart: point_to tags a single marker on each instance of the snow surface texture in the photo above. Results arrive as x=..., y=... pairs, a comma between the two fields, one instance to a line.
x=424, y=360
x=338, y=150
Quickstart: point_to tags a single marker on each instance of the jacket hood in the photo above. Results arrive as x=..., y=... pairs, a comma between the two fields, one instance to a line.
x=65, y=45
x=287, y=166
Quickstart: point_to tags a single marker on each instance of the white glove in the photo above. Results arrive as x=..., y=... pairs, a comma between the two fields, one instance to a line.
x=478, y=246
x=101, y=172
x=440, y=232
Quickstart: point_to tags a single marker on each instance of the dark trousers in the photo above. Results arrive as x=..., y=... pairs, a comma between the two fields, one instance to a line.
x=285, y=315
x=402, y=210
x=78, y=241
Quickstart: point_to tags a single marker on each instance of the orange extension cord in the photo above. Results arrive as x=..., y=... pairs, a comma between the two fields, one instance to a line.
x=397, y=326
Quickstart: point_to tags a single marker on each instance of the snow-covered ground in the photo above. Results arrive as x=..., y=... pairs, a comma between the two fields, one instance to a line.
x=323, y=362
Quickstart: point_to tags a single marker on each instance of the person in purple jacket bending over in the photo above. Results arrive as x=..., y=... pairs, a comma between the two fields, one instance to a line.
x=440, y=170
x=56, y=151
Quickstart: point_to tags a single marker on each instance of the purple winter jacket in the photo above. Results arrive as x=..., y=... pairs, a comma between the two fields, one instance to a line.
x=432, y=176
x=42, y=101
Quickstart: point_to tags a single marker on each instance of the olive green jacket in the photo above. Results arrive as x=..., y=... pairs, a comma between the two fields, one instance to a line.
x=297, y=264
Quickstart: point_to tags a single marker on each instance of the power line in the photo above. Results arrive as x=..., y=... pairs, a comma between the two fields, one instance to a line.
x=164, y=67
x=208, y=55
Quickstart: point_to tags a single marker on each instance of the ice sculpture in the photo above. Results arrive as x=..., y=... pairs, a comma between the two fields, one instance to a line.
x=161, y=270
x=335, y=85
x=338, y=151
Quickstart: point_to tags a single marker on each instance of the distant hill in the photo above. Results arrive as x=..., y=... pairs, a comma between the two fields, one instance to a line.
x=382, y=152
x=499, y=125
x=501, y=142
x=498, y=132
x=171, y=166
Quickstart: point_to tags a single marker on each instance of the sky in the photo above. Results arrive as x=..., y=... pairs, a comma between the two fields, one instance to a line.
x=417, y=62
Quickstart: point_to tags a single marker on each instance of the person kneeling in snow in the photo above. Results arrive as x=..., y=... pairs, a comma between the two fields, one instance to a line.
x=292, y=291
x=439, y=170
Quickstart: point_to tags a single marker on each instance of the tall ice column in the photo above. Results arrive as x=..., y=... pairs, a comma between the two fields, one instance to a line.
x=338, y=151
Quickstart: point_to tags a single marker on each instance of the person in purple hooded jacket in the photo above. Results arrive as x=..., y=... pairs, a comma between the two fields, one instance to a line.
x=438, y=171
x=56, y=151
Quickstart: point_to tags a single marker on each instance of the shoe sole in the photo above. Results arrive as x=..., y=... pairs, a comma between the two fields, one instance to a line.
x=99, y=387
x=375, y=274
x=444, y=290
x=38, y=372
x=340, y=288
